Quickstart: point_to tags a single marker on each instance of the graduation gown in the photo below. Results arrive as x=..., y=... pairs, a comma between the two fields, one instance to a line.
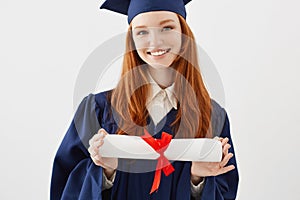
x=75, y=176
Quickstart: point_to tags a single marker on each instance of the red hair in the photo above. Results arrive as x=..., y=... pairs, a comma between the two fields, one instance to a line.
x=128, y=99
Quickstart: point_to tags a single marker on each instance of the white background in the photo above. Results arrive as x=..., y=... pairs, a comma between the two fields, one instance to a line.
x=255, y=46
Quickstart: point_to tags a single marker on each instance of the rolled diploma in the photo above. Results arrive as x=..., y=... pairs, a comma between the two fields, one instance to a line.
x=134, y=147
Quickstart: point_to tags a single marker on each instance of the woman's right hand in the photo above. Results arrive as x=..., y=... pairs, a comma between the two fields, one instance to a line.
x=108, y=164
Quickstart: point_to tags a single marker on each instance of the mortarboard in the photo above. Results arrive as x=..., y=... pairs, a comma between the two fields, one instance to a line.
x=135, y=7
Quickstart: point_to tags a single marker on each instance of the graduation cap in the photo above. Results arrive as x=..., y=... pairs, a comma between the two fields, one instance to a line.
x=134, y=7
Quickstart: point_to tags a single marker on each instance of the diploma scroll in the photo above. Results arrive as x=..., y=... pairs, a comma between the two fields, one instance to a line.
x=134, y=147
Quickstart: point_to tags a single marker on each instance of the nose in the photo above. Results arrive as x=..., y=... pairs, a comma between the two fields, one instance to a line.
x=155, y=38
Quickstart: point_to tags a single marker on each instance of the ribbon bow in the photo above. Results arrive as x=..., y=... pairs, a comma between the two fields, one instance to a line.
x=159, y=145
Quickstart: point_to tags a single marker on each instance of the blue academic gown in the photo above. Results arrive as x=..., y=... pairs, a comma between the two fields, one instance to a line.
x=75, y=176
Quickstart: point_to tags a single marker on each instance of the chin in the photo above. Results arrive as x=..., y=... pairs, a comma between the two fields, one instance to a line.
x=159, y=65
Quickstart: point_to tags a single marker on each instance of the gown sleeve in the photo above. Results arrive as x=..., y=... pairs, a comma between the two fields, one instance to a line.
x=224, y=186
x=74, y=175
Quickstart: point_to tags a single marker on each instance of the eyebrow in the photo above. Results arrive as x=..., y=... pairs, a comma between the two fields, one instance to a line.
x=160, y=23
x=166, y=21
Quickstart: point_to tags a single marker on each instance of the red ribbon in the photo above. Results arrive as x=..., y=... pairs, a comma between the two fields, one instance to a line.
x=159, y=145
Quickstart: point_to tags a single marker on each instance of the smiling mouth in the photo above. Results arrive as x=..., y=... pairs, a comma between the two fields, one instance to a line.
x=158, y=52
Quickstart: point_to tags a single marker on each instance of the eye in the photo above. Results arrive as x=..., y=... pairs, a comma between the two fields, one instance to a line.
x=143, y=32
x=167, y=28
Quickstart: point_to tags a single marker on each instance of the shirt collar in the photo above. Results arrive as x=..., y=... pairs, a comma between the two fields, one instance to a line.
x=155, y=89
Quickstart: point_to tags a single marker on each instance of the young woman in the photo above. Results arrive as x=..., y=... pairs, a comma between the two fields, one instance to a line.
x=160, y=90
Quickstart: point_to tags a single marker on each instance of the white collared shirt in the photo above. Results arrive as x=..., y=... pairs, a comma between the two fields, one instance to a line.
x=160, y=101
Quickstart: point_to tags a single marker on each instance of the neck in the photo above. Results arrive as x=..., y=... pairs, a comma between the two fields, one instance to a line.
x=164, y=77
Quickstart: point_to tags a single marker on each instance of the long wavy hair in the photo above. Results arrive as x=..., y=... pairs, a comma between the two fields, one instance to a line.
x=129, y=98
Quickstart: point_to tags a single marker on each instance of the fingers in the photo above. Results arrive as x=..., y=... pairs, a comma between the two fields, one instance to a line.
x=226, y=155
x=94, y=146
x=224, y=141
x=215, y=168
x=102, y=131
x=95, y=138
x=226, y=148
x=98, y=160
x=225, y=160
x=93, y=152
x=226, y=169
x=218, y=138
x=98, y=138
x=222, y=169
x=95, y=143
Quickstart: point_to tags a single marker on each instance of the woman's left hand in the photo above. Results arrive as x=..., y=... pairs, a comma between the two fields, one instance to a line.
x=203, y=169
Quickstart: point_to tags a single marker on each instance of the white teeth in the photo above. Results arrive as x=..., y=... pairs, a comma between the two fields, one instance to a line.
x=158, y=53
